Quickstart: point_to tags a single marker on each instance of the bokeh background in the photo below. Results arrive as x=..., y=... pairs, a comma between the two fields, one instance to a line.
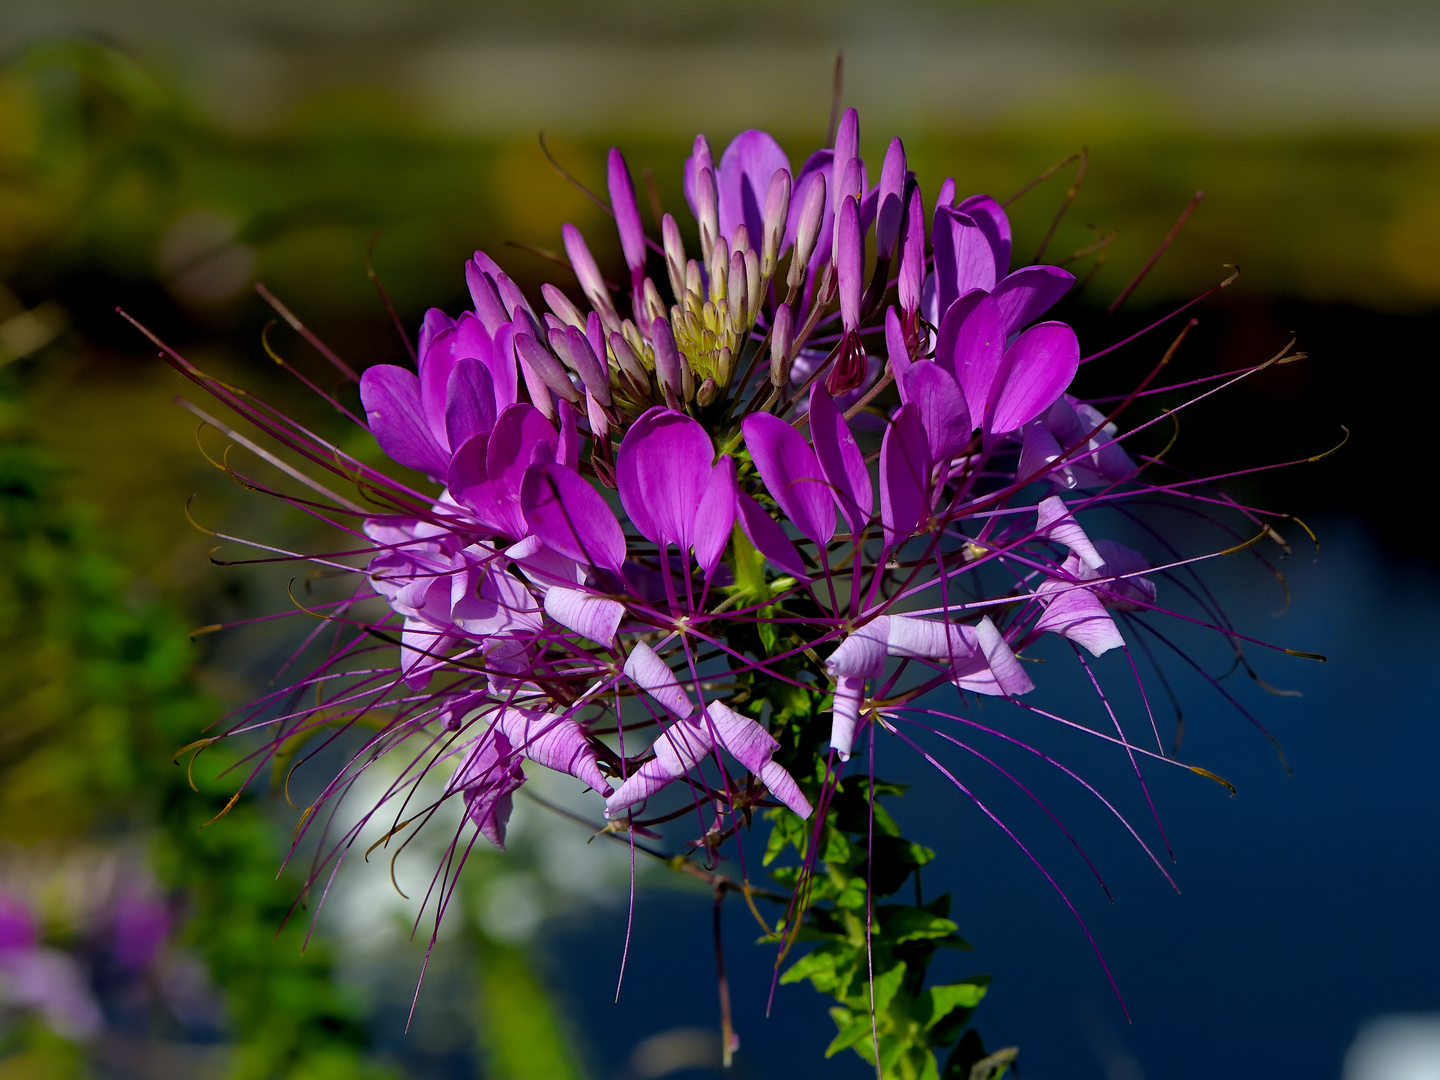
x=164, y=156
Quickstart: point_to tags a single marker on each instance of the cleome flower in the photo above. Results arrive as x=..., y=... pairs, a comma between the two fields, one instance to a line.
x=814, y=451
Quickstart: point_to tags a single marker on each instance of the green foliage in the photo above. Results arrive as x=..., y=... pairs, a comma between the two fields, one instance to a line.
x=871, y=958
x=97, y=695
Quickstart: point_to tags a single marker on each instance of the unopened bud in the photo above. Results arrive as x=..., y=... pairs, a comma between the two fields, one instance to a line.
x=708, y=392
x=707, y=210
x=756, y=285
x=849, y=261
x=488, y=308
x=740, y=239
x=738, y=290
x=718, y=267
x=667, y=362
x=812, y=213
x=782, y=336
x=595, y=413
x=654, y=307
x=674, y=256
x=560, y=304
x=911, y=279
x=573, y=348
x=542, y=362
x=890, y=200
x=693, y=284
x=852, y=185
x=724, y=365
x=591, y=283
x=627, y=213
x=777, y=212
x=627, y=360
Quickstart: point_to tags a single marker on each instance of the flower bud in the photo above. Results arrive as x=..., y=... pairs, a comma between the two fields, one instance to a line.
x=724, y=365
x=511, y=296
x=560, y=304
x=852, y=183
x=488, y=309
x=595, y=413
x=782, y=336
x=667, y=362
x=654, y=307
x=891, y=204
x=849, y=261
x=707, y=212
x=627, y=213
x=912, y=250
x=777, y=211
x=740, y=239
x=756, y=285
x=694, y=285
x=737, y=290
x=591, y=283
x=812, y=213
x=674, y=256
x=574, y=349
x=847, y=149
x=708, y=392
x=627, y=360
x=719, y=268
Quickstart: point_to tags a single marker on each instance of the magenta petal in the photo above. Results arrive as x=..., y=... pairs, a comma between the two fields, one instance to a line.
x=488, y=775
x=391, y=396
x=590, y=616
x=904, y=476
x=792, y=474
x=469, y=402
x=1028, y=293
x=554, y=742
x=567, y=448
x=488, y=306
x=895, y=350
x=663, y=468
x=571, y=517
x=963, y=257
x=1127, y=590
x=435, y=323
x=739, y=736
x=862, y=653
x=849, y=694
x=436, y=363
x=1041, y=364
x=943, y=413
x=627, y=472
x=979, y=348
x=995, y=670
x=782, y=785
x=645, y=668
x=1055, y=522
x=1038, y=453
x=1075, y=612
x=769, y=538
x=715, y=516
x=841, y=460
x=699, y=159
x=743, y=180
x=947, y=337
x=990, y=216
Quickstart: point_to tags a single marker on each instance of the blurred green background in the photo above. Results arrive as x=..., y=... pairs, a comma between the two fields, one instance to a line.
x=164, y=156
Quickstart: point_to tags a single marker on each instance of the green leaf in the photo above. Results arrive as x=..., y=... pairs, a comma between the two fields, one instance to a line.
x=902, y=922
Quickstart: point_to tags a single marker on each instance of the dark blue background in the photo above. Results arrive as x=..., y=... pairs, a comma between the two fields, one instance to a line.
x=1307, y=903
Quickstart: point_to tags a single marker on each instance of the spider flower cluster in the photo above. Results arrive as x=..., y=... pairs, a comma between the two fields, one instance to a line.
x=828, y=456
x=622, y=490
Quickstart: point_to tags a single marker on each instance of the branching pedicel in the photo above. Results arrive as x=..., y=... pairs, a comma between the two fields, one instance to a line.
x=629, y=568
